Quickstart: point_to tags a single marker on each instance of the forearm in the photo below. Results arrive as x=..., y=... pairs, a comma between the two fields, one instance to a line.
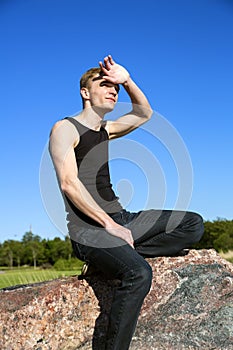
x=82, y=199
x=140, y=103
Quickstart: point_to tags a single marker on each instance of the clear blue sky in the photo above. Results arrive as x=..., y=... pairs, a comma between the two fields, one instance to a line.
x=180, y=52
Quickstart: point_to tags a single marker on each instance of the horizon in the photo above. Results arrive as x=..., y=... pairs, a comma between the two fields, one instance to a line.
x=180, y=53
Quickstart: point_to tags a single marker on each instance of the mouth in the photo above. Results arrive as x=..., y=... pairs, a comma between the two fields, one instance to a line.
x=111, y=99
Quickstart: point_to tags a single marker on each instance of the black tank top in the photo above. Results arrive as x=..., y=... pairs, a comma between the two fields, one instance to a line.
x=93, y=171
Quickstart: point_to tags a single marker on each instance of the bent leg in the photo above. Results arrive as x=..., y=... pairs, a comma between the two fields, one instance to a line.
x=164, y=233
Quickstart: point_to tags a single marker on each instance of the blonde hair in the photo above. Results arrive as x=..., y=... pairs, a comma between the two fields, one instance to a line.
x=89, y=75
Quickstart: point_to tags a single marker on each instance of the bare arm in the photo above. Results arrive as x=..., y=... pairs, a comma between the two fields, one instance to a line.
x=64, y=138
x=141, y=109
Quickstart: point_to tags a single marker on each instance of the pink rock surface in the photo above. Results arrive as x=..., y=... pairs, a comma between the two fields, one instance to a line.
x=190, y=306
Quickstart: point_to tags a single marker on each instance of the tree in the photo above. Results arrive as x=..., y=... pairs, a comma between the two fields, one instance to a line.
x=57, y=249
x=32, y=247
x=8, y=251
x=218, y=235
x=223, y=243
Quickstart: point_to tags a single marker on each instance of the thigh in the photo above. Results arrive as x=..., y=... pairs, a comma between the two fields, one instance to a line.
x=150, y=223
x=113, y=262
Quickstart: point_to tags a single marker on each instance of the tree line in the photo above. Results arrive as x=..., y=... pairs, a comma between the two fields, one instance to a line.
x=32, y=250
x=218, y=235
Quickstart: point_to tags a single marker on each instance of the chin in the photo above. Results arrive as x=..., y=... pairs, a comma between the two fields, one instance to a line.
x=105, y=108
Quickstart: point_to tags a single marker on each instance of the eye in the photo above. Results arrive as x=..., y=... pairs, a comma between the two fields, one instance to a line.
x=105, y=83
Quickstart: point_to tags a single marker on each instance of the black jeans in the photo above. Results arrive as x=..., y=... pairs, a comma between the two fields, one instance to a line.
x=156, y=233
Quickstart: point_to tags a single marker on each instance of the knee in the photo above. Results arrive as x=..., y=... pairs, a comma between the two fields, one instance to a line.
x=142, y=279
x=196, y=225
x=199, y=231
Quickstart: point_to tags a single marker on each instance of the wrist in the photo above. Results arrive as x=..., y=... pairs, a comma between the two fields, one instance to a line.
x=108, y=222
x=127, y=81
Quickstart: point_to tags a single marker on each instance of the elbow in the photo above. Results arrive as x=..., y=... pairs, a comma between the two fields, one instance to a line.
x=149, y=113
x=64, y=187
x=144, y=112
x=67, y=185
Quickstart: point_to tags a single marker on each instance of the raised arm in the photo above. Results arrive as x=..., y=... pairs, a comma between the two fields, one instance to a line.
x=141, y=109
x=63, y=139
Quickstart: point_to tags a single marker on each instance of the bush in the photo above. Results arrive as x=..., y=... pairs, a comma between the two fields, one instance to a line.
x=46, y=266
x=70, y=264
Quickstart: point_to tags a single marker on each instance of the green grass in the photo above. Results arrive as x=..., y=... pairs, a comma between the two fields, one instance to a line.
x=15, y=277
x=228, y=255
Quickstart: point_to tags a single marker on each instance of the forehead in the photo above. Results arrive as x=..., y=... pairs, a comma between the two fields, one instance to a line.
x=99, y=81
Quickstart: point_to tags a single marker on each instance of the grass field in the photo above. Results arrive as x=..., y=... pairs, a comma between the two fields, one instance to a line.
x=24, y=276
x=228, y=255
x=16, y=276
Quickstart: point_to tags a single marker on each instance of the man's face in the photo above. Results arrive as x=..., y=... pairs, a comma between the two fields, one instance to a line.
x=103, y=93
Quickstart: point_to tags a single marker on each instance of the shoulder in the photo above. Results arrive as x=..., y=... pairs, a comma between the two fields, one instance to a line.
x=65, y=130
x=63, y=124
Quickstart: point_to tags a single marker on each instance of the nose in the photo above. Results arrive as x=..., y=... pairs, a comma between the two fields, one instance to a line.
x=113, y=90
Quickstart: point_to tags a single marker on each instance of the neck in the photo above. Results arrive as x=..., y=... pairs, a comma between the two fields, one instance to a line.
x=91, y=118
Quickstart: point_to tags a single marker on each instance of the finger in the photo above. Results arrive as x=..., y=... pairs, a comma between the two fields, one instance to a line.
x=102, y=66
x=110, y=59
x=131, y=245
x=130, y=242
x=104, y=70
x=107, y=62
x=107, y=78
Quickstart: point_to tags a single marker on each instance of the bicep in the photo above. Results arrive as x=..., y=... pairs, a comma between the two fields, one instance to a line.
x=123, y=125
x=62, y=141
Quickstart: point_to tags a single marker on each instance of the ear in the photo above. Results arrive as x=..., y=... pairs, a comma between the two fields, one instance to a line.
x=84, y=93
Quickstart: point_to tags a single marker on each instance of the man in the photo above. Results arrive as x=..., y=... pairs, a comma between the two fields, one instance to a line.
x=104, y=234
